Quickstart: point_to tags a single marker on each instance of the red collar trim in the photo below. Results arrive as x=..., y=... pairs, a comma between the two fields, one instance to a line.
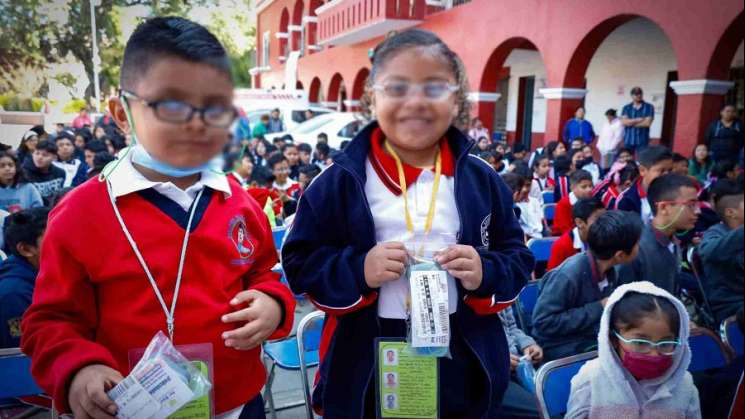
x=385, y=165
x=640, y=188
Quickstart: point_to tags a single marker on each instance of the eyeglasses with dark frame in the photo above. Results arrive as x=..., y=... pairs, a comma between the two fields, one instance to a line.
x=178, y=112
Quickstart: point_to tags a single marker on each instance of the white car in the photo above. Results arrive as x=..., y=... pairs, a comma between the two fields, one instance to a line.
x=338, y=126
x=290, y=116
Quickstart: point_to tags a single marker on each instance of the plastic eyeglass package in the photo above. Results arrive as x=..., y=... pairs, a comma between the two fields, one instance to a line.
x=161, y=383
x=428, y=331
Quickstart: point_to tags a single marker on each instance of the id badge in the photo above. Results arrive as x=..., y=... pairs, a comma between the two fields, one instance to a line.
x=407, y=384
x=430, y=315
x=201, y=357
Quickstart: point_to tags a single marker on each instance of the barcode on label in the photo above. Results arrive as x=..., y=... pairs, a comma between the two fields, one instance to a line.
x=444, y=313
x=122, y=387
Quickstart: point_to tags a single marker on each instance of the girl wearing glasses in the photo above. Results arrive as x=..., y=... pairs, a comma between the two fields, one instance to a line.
x=409, y=172
x=643, y=357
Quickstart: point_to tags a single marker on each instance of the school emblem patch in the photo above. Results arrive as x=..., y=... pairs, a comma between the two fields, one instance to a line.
x=241, y=239
x=14, y=327
x=485, y=230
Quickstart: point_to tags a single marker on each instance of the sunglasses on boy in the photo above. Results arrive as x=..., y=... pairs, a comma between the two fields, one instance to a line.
x=178, y=112
x=433, y=90
x=643, y=346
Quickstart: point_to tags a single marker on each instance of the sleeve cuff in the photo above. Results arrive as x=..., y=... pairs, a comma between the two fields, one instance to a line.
x=280, y=293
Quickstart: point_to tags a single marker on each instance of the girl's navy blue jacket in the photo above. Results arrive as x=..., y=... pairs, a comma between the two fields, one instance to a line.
x=324, y=254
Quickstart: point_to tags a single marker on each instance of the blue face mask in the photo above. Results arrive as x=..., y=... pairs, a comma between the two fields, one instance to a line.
x=141, y=157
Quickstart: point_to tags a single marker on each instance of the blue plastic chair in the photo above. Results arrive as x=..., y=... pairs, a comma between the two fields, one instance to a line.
x=732, y=336
x=548, y=212
x=548, y=197
x=284, y=354
x=526, y=305
x=553, y=383
x=541, y=248
x=707, y=351
x=15, y=377
x=279, y=236
x=308, y=344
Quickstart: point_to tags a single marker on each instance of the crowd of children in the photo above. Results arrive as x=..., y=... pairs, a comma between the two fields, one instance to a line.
x=618, y=279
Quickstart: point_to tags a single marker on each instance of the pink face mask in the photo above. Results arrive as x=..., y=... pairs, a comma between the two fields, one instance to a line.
x=646, y=367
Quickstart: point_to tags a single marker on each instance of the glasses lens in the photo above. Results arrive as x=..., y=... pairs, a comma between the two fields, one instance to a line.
x=641, y=347
x=668, y=348
x=219, y=116
x=173, y=111
x=396, y=90
x=436, y=90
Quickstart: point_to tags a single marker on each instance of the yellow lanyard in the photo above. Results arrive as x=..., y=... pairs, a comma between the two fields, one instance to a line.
x=402, y=183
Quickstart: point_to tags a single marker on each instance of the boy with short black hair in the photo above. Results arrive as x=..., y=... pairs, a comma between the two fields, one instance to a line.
x=675, y=207
x=24, y=233
x=40, y=171
x=581, y=185
x=721, y=252
x=307, y=173
x=680, y=164
x=322, y=138
x=585, y=212
x=571, y=297
x=92, y=148
x=654, y=162
x=75, y=169
x=305, y=152
x=562, y=168
x=172, y=223
x=290, y=151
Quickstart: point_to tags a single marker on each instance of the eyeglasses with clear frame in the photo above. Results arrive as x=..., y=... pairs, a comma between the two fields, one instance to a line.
x=178, y=112
x=644, y=346
x=432, y=90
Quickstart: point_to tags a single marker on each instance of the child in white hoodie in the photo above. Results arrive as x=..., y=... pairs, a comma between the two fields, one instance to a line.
x=643, y=357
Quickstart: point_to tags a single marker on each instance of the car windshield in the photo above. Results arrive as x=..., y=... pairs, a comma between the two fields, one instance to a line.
x=308, y=127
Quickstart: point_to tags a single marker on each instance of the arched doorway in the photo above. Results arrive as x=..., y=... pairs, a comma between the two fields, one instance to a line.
x=311, y=29
x=337, y=93
x=358, y=88
x=315, y=92
x=512, y=78
x=284, y=23
x=619, y=54
x=296, y=34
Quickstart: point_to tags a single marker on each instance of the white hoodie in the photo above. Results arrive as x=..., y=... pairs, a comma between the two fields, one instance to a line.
x=604, y=389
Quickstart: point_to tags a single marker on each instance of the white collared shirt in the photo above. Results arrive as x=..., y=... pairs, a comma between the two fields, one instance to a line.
x=390, y=225
x=577, y=242
x=126, y=179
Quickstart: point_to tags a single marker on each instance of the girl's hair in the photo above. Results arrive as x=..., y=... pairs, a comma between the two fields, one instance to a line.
x=628, y=173
x=633, y=307
x=551, y=148
x=623, y=150
x=23, y=148
x=538, y=159
x=417, y=38
x=19, y=177
x=694, y=160
x=514, y=181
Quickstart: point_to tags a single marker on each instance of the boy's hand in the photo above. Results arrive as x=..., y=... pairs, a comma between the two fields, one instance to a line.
x=384, y=263
x=535, y=352
x=462, y=262
x=87, y=395
x=514, y=360
x=261, y=318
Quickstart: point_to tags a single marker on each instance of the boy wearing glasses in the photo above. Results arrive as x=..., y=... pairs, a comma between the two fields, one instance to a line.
x=170, y=228
x=571, y=297
x=675, y=207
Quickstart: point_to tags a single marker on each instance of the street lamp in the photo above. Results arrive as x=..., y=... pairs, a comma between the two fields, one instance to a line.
x=96, y=58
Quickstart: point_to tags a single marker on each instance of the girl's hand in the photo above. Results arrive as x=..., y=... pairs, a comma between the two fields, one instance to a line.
x=464, y=263
x=384, y=263
x=535, y=352
x=257, y=321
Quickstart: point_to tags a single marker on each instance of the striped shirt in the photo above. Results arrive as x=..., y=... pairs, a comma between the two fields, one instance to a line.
x=637, y=136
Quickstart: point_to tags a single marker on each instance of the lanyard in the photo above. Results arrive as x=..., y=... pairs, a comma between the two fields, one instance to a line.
x=170, y=319
x=402, y=183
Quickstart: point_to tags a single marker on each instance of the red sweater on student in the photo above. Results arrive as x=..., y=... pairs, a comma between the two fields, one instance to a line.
x=93, y=302
x=562, y=249
x=563, y=220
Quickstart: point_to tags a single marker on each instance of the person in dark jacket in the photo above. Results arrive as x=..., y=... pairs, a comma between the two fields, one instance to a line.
x=345, y=249
x=721, y=252
x=24, y=232
x=40, y=171
x=654, y=162
x=675, y=207
x=725, y=136
x=571, y=297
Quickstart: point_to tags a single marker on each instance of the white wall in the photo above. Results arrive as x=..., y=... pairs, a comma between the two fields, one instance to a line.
x=523, y=63
x=637, y=53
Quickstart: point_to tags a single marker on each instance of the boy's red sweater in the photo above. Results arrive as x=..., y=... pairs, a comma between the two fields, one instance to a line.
x=93, y=303
x=563, y=220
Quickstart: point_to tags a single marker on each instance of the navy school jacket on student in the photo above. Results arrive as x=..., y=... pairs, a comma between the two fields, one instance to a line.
x=324, y=257
x=17, y=278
